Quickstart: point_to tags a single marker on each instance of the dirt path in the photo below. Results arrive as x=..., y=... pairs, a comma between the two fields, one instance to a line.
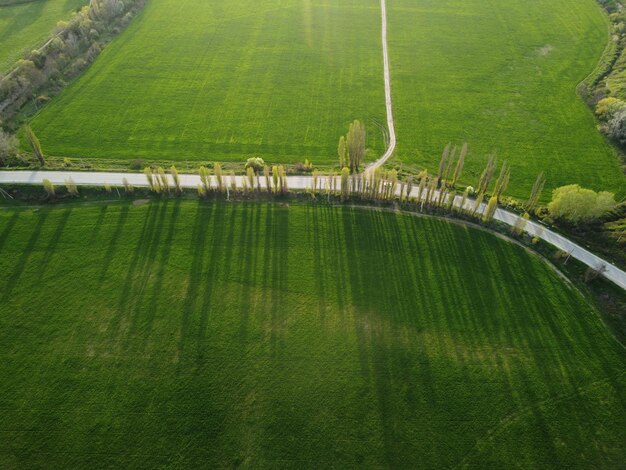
x=388, y=103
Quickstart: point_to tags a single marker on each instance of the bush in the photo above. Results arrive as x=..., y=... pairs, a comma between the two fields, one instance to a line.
x=256, y=163
x=576, y=204
x=136, y=164
x=8, y=147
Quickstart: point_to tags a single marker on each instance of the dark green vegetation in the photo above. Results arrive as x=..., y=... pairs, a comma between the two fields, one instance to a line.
x=225, y=80
x=501, y=76
x=188, y=334
x=23, y=26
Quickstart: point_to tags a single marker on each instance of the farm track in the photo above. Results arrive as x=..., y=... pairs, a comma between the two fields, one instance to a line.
x=535, y=229
x=388, y=102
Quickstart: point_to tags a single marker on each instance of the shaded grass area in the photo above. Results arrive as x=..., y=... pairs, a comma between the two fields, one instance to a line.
x=183, y=334
x=501, y=76
x=223, y=81
x=23, y=26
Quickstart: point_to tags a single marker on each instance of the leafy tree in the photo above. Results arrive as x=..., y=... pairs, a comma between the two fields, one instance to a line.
x=576, y=204
x=256, y=163
x=49, y=188
x=459, y=165
x=35, y=145
x=535, y=193
x=492, y=205
x=71, y=187
x=342, y=151
x=8, y=146
x=356, y=145
x=176, y=178
x=345, y=183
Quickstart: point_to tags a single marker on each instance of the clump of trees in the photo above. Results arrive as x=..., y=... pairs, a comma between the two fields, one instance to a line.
x=576, y=204
x=75, y=44
x=612, y=115
x=352, y=147
x=8, y=147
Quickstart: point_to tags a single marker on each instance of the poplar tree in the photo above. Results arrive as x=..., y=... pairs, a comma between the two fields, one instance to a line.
x=164, y=182
x=275, y=178
x=128, y=188
x=442, y=163
x=520, y=224
x=535, y=193
x=487, y=175
x=355, y=141
x=48, y=187
x=503, y=180
x=71, y=187
x=35, y=145
x=492, y=205
x=266, y=174
x=459, y=165
x=342, y=151
x=219, y=177
x=205, y=178
x=148, y=172
x=446, y=178
x=176, y=179
x=345, y=182
x=250, y=174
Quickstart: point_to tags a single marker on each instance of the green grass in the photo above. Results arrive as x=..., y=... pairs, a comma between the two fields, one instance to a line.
x=222, y=81
x=501, y=76
x=183, y=334
x=25, y=26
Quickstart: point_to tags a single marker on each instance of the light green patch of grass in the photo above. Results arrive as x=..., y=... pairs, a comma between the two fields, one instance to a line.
x=223, y=81
x=188, y=334
x=501, y=76
x=25, y=26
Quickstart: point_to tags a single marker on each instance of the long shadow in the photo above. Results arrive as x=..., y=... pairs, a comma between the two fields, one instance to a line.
x=25, y=256
x=98, y=225
x=164, y=256
x=4, y=236
x=210, y=280
x=128, y=299
x=54, y=241
x=280, y=265
x=194, y=278
x=110, y=251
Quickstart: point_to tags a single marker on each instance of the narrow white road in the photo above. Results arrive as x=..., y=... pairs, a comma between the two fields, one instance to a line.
x=609, y=271
x=390, y=125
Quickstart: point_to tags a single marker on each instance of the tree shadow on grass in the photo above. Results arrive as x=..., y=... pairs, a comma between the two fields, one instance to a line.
x=112, y=245
x=25, y=256
x=6, y=230
x=52, y=244
x=194, y=277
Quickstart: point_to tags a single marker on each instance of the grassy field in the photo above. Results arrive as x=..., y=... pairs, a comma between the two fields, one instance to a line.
x=501, y=76
x=226, y=80
x=184, y=334
x=25, y=25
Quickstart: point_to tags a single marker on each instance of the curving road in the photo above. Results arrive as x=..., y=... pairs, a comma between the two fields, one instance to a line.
x=609, y=271
x=390, y=125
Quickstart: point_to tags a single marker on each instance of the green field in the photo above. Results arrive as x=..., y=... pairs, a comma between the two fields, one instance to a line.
x=25, y=26
x=501, y=76
x=206, y=80
x=190, y=335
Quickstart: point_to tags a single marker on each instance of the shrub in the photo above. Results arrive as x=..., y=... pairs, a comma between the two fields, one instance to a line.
x=8, y=146
x=576, y=204
x=256, y=163
x=136, y=164
x=48, y=187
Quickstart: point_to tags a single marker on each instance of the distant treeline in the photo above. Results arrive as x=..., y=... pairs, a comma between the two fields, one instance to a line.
x=75, y=45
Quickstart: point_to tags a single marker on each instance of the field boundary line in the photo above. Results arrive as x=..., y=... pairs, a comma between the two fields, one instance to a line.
x=388, y=102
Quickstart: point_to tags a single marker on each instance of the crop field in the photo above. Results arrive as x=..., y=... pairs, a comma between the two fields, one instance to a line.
x=23, y=26
x=190, y=334
x=501, y=76
x=223, y=81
